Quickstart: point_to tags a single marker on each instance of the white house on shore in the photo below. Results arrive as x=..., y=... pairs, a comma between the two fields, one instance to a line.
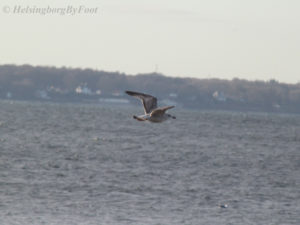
x=219, y=96
x=83, y=90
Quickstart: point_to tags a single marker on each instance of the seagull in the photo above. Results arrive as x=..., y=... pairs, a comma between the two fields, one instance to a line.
x=152, y=112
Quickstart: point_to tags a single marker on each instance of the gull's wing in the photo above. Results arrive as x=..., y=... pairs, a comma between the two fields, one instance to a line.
x=160, y=111
x=149, y=102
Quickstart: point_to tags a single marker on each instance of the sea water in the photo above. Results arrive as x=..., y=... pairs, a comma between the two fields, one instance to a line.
x=94, y=164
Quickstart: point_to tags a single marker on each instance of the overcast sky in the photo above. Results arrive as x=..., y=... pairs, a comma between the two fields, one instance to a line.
x=248, y=39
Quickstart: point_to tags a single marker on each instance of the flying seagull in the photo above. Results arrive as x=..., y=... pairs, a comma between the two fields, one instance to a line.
x=152, y=112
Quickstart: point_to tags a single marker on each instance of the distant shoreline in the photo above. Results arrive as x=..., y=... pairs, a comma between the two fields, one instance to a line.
x=99, y=87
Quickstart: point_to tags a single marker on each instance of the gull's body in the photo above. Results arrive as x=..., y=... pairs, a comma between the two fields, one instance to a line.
x=152, y=112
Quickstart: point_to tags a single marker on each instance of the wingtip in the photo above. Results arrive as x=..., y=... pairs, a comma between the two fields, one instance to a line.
x=130, y=92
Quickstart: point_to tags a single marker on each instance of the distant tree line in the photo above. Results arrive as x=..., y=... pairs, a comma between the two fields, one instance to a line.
x=59, y=84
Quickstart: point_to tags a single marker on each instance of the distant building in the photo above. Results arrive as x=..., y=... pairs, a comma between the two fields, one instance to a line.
x=53, y=89
x=114, y=100
x=117, y=93
x=83, y=90
x=168, y=102
x=173, y=95
x=219, y=96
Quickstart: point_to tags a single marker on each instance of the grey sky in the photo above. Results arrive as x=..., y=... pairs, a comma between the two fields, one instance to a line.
x=257, y=39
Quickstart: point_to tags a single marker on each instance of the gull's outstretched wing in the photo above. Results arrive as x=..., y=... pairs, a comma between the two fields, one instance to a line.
x=158, y=112
x=149, y=102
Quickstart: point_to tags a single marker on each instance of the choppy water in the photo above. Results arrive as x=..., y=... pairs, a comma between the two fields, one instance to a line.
x=85, y=164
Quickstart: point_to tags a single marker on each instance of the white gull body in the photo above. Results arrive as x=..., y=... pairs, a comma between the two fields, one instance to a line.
x=152, y=112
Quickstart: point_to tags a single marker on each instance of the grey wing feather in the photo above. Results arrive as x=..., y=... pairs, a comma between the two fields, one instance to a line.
x=160, y=111
x=149, y=102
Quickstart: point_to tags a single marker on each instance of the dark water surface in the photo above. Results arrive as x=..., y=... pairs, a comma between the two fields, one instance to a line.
x=85, y=164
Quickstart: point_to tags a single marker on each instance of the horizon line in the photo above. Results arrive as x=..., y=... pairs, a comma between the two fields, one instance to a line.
x=150, y=73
